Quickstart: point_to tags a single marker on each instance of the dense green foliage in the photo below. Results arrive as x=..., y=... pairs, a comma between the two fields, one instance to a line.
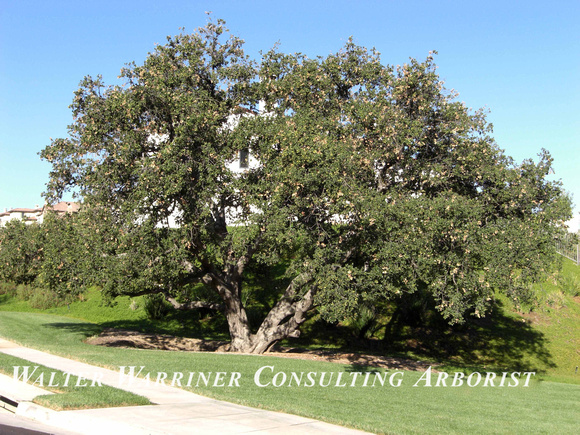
x=51, y=256
x=374, y=182
x=20, y=252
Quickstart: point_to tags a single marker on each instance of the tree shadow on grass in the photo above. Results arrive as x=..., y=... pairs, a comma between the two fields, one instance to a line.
x=411, y=339
x=85, y=329
x=496, y=342
x=177, y=323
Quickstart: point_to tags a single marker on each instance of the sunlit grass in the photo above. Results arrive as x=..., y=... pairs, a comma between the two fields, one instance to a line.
x=543, y=407
x=71, y=393
x=544, y=337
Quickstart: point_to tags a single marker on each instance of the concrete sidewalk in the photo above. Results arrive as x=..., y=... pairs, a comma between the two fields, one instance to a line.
x=176, y=411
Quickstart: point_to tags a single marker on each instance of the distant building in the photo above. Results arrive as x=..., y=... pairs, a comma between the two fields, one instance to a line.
x=32, y=215
x=28, y=215
x=62, y=207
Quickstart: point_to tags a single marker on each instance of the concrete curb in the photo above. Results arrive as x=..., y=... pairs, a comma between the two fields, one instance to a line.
x=19, y=391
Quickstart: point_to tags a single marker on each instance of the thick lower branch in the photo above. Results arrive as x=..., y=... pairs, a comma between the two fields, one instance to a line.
x=291, y=328
x=274, y=328
x=284, y=307
x=192, y=305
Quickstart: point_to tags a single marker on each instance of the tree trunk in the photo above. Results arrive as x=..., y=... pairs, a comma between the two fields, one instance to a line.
x=239, y=327
x=271, y=330
x=283, y=320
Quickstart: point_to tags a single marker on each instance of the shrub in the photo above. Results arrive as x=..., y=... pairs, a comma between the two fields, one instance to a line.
x=24, y=292
x=363, y=322
x=570, y=285
x=156, y=307
x=43, y=299
x=7, y=288
x=556, y=300
x=21, y=252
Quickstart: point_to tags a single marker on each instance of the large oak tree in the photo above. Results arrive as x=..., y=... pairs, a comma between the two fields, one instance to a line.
x=373, y=182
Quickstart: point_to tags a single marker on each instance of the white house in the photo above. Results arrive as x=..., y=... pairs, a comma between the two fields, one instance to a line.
x=36, y=215
x=28, y=215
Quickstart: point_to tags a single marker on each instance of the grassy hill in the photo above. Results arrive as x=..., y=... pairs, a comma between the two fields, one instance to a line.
x=543, y=336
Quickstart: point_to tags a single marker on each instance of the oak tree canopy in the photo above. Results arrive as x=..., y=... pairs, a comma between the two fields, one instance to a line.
x=373, y=182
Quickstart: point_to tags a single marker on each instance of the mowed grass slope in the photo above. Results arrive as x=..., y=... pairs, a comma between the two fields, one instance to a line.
x=543, y=337
x=557, y=318
x=543, y=407
x=71, y=392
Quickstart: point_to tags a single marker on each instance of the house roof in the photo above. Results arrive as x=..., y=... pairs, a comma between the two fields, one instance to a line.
x=65, y=206
x=24, y=210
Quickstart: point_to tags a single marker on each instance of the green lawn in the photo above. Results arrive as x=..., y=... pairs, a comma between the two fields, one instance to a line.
x=72, y=393
x=544, y=336
x=543, y=407
x=545, y=339
x=125, y=312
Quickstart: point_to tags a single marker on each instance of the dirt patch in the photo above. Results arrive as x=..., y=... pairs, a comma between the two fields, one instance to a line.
x=133, y=339
x=354, y=359
x=535, y=318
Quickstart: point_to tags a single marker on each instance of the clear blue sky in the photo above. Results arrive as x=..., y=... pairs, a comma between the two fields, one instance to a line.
x=519, y=59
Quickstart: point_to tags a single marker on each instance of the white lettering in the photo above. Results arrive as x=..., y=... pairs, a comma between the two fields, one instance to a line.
x=310, y=377
x=528, y=374
x=441, y=379
x=177, y=377
x=219, y=379
x=381, y=380
x=503, y=376
x=399, y=381
x=66, y=379
x=98, y=376
x=354, y=375
x=79, y=380
x=39, y=380
x=294, y=376
x=234, y=379
x=130, y=374
x=201, y=375
x=161, y=376
x=322, y=376
x=489, y=377
x=258, y=373
x=469, y=378
x=24, y=376
x=51, y=380
x=458, y=379
x=279, y=379
x=516, y=380
x=338, y=379
x=427, y=378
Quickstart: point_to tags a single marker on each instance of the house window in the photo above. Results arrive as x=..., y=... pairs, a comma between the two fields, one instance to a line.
x=244, y=158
